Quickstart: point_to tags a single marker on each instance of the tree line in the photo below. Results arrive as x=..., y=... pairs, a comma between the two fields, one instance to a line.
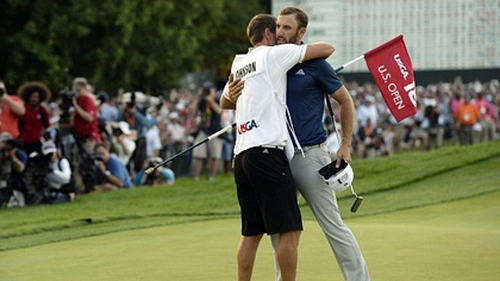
x=133, y=44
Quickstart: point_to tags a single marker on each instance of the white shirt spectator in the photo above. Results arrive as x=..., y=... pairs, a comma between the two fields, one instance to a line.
x=367, y=111
x=153, y=141
x=61, y=173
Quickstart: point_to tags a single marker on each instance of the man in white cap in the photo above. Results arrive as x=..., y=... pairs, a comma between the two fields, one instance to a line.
x=62, y=187
x=123, y=143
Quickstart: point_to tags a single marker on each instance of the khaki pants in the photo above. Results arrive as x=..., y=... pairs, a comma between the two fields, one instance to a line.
x=88, y=146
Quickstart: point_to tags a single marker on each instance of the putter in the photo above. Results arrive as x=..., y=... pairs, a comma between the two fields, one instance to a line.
x=150, y=170
x=357, y=202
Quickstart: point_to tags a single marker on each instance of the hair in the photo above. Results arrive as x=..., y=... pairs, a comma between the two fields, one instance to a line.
x=27, y=89
x=258, y=25
x=299, y=13
x=100, y=144
x=80, y=81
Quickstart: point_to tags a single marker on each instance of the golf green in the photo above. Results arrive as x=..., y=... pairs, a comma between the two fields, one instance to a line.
x=459, y=240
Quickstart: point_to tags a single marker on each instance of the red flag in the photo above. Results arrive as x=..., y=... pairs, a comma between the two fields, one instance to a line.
x=390, y=66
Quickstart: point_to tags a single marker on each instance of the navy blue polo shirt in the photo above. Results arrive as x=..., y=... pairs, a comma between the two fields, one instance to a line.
x=307, y=84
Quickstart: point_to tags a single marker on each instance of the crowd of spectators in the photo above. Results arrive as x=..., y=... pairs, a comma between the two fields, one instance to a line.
x=55, y=147
x=447, y=112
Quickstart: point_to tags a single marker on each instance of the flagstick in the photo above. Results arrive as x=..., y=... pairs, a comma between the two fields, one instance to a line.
x=349, y=63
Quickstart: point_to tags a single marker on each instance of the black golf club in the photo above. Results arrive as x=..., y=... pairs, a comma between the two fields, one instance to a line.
x=150, y=170
x=357, y=202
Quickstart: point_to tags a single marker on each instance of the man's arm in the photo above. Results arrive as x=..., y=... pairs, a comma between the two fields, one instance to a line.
x=318, y=50
x=231, y=93
x=111, y=175
x=210, y=99
x=16, y=106
x=347, y=112
x=80, y=111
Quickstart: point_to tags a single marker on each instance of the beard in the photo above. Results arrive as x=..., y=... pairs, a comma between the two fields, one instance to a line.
x=292, y=40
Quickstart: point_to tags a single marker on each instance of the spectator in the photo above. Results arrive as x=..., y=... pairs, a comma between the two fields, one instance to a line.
x=210, y=122
x=488, y=117
x=162, y=175
x=11, y=109
x=36, y=118
x=13, y=163
x=153, y=141
x=62, y=186
x=112, y=174
x=433, y=128
x=85, y=124
x=85, y=120
x=107, y=111
x=122, y=142
x=139, y=125
x=227, y=141
x=368, y=110
x=467, y=117
x=176, y=139
x=418, y=134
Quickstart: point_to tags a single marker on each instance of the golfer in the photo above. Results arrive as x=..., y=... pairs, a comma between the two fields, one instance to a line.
x=265, y=187
x=306, y=86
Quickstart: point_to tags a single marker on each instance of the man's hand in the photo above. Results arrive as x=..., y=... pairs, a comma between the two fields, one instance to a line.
x=120, y=138
x=235, y=88
x=11, y=154
x=102, y=167
x=345, y=153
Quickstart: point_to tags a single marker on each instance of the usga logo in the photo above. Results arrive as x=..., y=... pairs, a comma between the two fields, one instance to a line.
x=248, y=126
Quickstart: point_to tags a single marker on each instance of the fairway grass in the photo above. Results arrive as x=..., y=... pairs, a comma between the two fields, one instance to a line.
x=459, y=240
x=442, y=224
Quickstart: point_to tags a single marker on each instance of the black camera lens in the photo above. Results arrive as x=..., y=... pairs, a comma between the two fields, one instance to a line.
x=2, y=91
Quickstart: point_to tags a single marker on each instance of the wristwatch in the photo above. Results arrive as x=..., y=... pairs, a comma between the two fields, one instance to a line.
x=108, y=173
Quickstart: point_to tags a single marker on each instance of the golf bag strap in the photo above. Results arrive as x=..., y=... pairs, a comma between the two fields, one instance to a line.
x=330, y=109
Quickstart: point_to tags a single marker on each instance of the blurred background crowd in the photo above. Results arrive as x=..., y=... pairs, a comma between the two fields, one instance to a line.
x=86, y=140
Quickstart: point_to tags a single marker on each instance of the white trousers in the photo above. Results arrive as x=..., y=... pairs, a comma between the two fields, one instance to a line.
x=323, y=203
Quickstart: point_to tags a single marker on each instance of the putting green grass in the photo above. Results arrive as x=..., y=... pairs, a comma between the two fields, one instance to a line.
x=458, y=240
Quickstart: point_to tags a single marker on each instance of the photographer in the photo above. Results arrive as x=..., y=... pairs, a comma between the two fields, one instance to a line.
x=85, y=124
x=112, y=173
x=210, y=122
x=13, y=181
x=122, y=142
x=11, y=109
x=161, y=175
x=61, y=182
x=85, y=120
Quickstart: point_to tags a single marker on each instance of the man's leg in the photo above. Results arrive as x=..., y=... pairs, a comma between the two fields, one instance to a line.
x=246, y=256
x=323, y=203
x=198, y=162
x=199, y=154
x=215, y=149
x=214, y=167
x=288, y=254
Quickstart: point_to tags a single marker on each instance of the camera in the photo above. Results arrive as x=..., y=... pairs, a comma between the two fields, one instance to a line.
x=205, y=92
x=5, y=169
x=67, y=99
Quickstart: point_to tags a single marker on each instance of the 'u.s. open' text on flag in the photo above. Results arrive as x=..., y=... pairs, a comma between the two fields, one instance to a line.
x=391, y=68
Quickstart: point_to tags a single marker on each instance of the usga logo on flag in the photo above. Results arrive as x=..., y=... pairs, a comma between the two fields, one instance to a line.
x=391, y=68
